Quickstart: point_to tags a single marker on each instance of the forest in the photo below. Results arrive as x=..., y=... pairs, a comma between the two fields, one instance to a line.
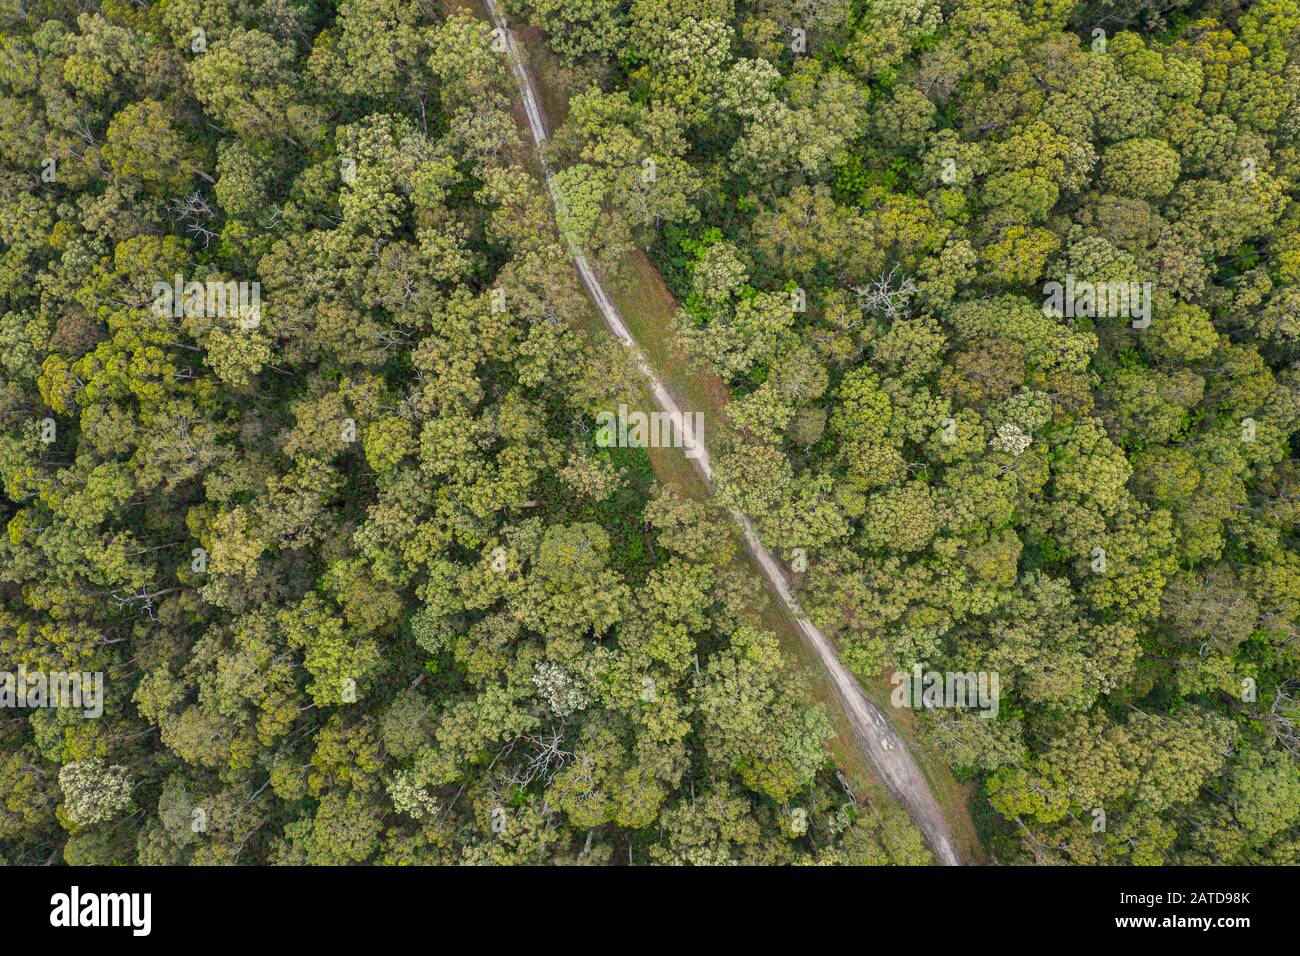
x=299, y=455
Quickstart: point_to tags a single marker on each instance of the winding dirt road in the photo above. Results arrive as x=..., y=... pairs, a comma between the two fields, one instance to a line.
x=882, y=745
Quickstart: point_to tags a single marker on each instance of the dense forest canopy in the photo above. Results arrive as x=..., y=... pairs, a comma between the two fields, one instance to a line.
x=361, y=585
x=1091, y=495
x=297, y=411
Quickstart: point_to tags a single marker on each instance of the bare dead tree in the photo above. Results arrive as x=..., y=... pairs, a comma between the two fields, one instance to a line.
x=888, y=296
x=1283, y=717
x=196, y=214
x=544, y=760
x=142, y=600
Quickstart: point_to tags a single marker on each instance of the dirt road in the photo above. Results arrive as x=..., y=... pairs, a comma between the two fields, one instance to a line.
x=882, y=745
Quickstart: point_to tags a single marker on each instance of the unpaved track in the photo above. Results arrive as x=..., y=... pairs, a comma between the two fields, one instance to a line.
x=879, y=741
